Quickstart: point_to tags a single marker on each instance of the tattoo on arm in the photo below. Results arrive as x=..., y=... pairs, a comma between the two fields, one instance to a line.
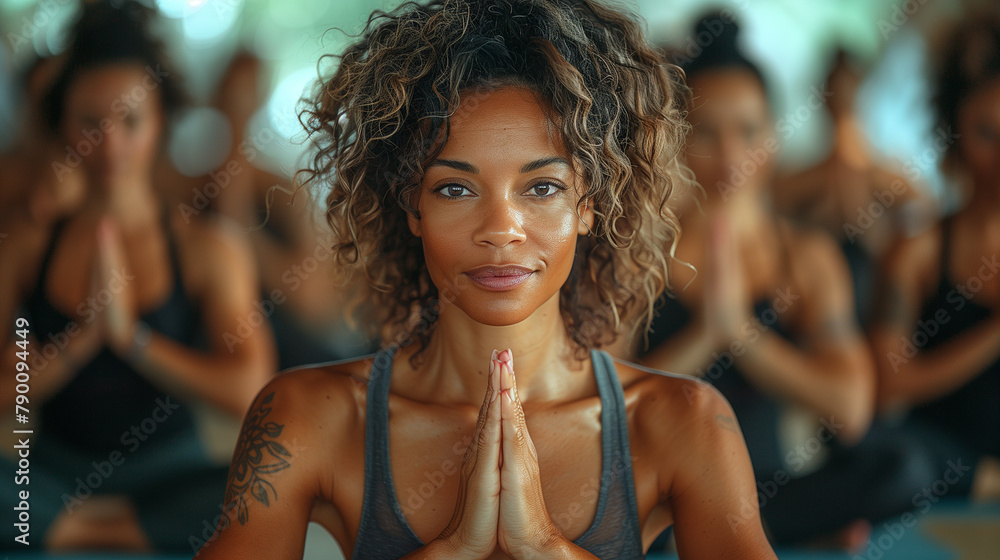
x=257, y=455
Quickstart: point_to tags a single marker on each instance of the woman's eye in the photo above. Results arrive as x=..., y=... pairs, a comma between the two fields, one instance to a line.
x=544, y=190
x=453, y=191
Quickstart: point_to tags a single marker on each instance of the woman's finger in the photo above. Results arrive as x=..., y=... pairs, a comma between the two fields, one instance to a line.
x=516, y=441
x=492, y=390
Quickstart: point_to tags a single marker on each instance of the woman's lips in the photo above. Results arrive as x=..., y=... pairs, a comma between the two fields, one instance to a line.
x=500, y=278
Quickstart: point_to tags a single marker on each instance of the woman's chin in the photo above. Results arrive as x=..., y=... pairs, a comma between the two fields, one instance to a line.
x=508, y=308
x=498, y=319
x=499, y=314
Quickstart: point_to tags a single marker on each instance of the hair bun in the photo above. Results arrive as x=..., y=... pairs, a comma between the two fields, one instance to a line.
x=723, y=30
x=717, y=33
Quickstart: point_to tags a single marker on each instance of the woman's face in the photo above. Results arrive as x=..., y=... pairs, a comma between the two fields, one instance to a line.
x=979, y=134
x=499, y=215
x=732, y=142
x=113, y=122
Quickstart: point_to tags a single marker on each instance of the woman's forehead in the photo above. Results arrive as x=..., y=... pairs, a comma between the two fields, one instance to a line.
x=504, y=115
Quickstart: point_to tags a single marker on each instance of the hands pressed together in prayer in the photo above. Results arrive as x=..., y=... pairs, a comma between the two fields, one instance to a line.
x=500, y=502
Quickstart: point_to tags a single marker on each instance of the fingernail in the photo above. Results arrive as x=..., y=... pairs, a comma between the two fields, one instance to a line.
x=504, y=356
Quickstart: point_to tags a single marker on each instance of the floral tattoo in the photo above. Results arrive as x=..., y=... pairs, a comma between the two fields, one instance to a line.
x=257, y=455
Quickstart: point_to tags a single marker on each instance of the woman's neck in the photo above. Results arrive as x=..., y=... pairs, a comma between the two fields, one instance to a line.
x=454, y=366
x=850, y=144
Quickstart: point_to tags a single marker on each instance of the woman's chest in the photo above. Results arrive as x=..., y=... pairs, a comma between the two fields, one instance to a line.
x=426, y=454
x=83, y=274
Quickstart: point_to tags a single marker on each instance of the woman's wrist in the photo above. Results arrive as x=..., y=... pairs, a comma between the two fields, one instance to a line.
x=440, y=548
x=553, y=546
x=142, y=335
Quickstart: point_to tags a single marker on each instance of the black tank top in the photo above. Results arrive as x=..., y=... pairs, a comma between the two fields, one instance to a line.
x=107, y=397
x=972, y=412
x=384, y=533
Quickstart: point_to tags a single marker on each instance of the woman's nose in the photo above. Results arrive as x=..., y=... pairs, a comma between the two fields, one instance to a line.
x=500, y=223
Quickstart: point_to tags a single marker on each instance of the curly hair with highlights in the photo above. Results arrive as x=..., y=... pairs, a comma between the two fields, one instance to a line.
x=383, y=114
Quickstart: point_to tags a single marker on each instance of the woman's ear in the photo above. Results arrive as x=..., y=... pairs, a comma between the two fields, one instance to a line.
x=414, y=222
x=413, y=215
x=586, y=224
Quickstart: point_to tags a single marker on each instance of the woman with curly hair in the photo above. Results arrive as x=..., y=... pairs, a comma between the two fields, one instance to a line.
x=937, y=336
x=126, y=311
x=500, y=174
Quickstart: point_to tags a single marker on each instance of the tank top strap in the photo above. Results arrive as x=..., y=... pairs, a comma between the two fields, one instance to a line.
x=173, y=250
x=614, y=421
x=383, y=531
x=616, y=532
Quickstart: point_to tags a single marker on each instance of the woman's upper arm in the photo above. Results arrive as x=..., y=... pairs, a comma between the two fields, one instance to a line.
x=229, y=291
x=906, y=277
x=277, y=468
x=823, y=276
x=712, y=490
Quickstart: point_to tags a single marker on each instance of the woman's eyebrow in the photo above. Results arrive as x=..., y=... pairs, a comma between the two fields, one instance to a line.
x=526, y=168
x=459, y=165
x=540, y=163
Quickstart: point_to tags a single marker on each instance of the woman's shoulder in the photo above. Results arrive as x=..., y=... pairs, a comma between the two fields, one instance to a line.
x=814, y=257
x=675, y=418
x=318, y=397
x=215, y=251
x=209, y=236
x=666, y=402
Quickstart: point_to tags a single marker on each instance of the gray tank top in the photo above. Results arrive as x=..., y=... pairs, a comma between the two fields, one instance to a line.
x=384, y=533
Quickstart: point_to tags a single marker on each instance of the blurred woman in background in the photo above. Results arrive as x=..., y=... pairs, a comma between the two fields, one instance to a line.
x=851, y=179
x=291, y=240
x=937, y=339
x=765, y=312
x=140, y=324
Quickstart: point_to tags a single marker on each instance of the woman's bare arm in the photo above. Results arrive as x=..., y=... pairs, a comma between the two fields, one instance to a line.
x=711, y=492
x=908, y=378
x=280, y=466
x=242, y=353
x=831, y=372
